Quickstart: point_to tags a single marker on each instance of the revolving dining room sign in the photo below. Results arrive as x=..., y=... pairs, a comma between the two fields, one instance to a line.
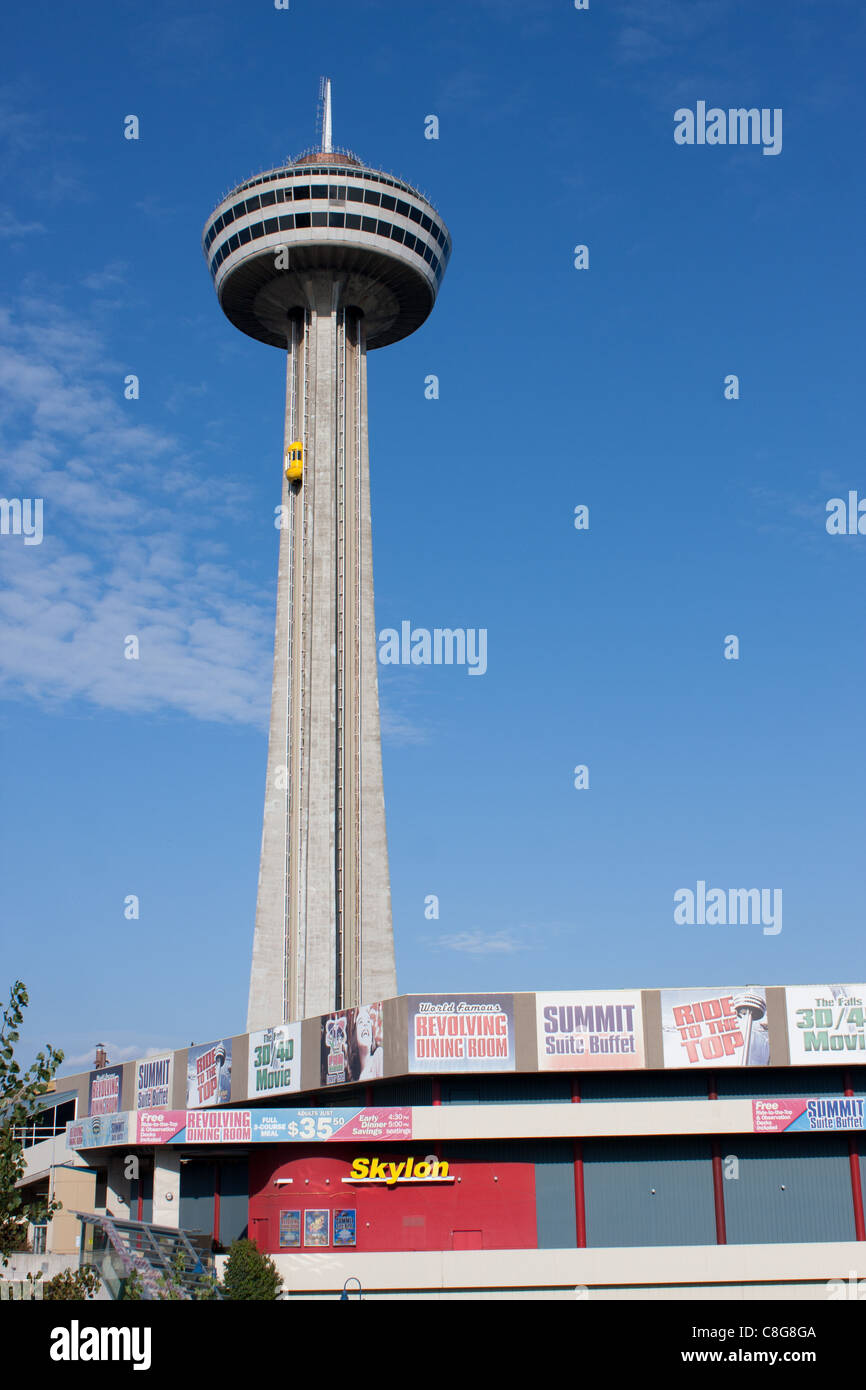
x=461, y=1032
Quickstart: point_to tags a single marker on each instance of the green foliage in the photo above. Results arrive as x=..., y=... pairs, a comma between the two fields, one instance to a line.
x=132, y=1288
x=19, y=1092
x=71, y=1285
x=250, y=1274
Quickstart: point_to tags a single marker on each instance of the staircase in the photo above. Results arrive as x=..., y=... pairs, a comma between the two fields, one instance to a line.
x=157, y=1254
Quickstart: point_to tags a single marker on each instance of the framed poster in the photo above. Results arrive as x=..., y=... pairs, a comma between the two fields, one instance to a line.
x=344, y=1226
x=290, y=1230
x=317, y=1228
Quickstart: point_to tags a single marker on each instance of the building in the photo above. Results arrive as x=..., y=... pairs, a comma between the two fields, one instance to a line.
x=675, y=1144
x=324, y=258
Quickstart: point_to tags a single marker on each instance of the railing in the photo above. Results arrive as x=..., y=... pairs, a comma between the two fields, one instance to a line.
x=168, y=1261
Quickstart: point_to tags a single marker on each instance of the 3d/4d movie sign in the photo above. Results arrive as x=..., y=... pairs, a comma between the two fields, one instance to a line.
x=589, y=1031
x=826, y=1023
x=816, y=1114
x=461, y=1032
x=153, y=1079
x=209, y=1074
x=105, y=1091
x=275, y=1060
x=724, y=1027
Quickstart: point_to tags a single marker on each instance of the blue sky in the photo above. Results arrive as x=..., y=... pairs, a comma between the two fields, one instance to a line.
x=558, y=387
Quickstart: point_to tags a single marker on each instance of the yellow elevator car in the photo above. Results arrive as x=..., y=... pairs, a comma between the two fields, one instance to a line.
x=295, y=462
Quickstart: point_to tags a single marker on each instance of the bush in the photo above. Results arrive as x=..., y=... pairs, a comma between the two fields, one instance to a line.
x=73, y=1285
x=250, y=1274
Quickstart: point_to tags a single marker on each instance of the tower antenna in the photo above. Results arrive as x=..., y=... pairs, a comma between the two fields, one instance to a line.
x=325, y=114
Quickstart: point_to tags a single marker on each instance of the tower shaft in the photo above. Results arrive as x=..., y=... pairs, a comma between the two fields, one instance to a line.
x=323, y=935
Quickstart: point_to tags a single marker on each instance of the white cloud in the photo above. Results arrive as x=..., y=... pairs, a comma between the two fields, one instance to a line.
x=478, y=943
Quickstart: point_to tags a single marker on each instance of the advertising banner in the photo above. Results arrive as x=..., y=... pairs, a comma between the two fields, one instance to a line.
x=352, y=1045
x=105, y=1091
x=461, y=1032
x=590, y=1030
x=153, y=1083
x=290, y=1230
x=826, y=1024
x=715, y=1027
x=268, y=1126
x=344, y=1226
x=97, y=1131
x=317, y=1227
x=275, y=1060
x=209, y=1074
x=787, y=1115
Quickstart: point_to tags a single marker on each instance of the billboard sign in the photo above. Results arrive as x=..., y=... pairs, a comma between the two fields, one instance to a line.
x=268, y=1126
x=352, y=1045
x=826, y=1023
x=153, y=1079
x=275, y=1061
x=105, y=1086
x=209, y=1074
x=715, y=1027
x=592, y=1030
x=461, y=1032
x=786, y=1116
x=98, y=1131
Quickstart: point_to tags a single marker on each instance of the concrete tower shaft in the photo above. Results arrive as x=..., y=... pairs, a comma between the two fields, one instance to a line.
x=323, y=936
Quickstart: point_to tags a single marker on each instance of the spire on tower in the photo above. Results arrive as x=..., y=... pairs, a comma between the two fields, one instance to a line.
x=325, y=114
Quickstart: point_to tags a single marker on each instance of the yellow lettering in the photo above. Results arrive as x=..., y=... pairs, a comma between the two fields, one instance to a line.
x=360, y=1168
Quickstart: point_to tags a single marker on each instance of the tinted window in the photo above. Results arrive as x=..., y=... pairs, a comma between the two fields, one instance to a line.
x=319, y=190
x=383, y=228
x=388, y=201
x=320, y=219
x=402, y=208
x=228, y=216
x=272, y=225
x=355, y=195
x=234, y=242
x=336, y=219
x=280, y=195
x=268, y=199
x=371, y=196
x=253, y=204
x=245, y=234
x=352, y=220
x=302, y=190
x=396, y=233
x=302, y=219
x=410, y=241
x=428, y=254
x=287, y=221
x=257, y=229
x=368, y=224
x=415, y=214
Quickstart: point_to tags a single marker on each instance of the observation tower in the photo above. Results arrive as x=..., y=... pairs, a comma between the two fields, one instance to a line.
x=324, y=258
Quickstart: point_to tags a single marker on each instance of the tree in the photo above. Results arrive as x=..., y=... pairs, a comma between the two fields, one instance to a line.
x=19, y=1093
x=250, y=1274
x=73, y=1285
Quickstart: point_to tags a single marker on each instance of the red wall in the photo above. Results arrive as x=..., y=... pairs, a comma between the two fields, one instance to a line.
x=476, y=1212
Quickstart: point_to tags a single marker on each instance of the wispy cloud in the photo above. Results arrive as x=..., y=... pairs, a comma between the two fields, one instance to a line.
x=479, y=943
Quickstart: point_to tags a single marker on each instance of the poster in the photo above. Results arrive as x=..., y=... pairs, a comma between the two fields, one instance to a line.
x=715, y=1027
x=267, y=1126
x=344, y=1226
x=275, y=1061
x=813, y=1115
x=153, y=1083
x=317, y=1228
x=98, y=1131
x=209, y=1074
x=352, y=1045
x=461, y=1032
x=290, y=1230
x=590, y=1031
x=105, y=1086
x=826, y=1024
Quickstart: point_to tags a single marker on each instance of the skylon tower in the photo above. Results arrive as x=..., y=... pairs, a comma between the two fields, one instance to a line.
x=324, y=259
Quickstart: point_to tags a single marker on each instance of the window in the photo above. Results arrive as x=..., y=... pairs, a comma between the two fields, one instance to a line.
x=302, y=190
x=388, y=201
x=245, y=235
x=257, y=230
x=383, y=228
x=287, y=221
x=371, y=196
x=402, y=208
x=353, y=221
x=410, y=241
x=253, y=204
x=234, y=242
x=228, y=216
x=337, y=192
x=319, y=190
x=282, y=195
x=415, y=214
x=335, y=219
x=426, y=223
x=302, y=219
x=397, y=234
x=272, y=224
x=268, y=199
x=368, y=224
x=320, y=219
x=355, y=195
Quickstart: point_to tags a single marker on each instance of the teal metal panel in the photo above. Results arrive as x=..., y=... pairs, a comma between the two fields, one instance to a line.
x=416, y=1090
x=757, y=1082
x=234, y=1201
x=790, y=1187
x=196, y=1195
x=609, y=1087
x=517, y=1088
x=554, y=1195
x=649, y=1192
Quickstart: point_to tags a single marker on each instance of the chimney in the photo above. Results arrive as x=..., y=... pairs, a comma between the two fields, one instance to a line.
x=101, y=1057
